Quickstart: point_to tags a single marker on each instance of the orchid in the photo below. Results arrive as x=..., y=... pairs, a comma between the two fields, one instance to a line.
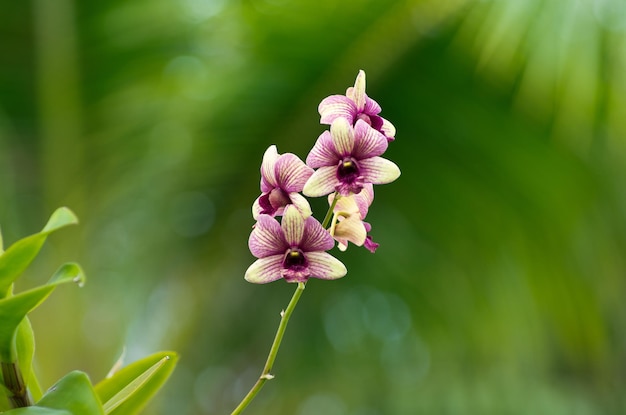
x=347, y=158
x=356, y=105
x=293, y=250
x=282, y=178
x=348, y=162
x=348, y=214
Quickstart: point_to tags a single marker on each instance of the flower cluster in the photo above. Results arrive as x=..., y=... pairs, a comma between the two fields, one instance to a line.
x=344, y=164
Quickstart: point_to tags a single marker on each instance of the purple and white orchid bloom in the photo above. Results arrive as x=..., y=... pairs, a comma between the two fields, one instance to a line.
x=293, y=249
x=282, y=178
x=356, y=105
x=346, y=158
x=348, y=214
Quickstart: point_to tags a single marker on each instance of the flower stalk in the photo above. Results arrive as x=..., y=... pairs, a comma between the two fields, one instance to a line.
x=266, y=374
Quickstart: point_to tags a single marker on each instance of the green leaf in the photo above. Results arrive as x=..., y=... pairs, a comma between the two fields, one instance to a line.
x=25, y=349
x=16, y=338
x=130, y=389
x=60, y=218
x=12, y=312
x=19, y=255
x=14, y=309
x=73, y=393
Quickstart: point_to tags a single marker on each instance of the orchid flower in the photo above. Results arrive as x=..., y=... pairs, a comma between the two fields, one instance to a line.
x=293, y=249
x=347, y=162
x=356, y=105
x=282, y=177
x=348, y=214
x=347, y=158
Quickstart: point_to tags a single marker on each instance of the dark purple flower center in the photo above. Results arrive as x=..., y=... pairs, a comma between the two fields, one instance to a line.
x=350, y=181
x=374, y=121
x=294, y=258
x=295, y=266
x=273, y=201
x=348, y=170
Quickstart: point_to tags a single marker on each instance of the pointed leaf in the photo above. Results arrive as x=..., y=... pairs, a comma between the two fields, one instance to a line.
x=14, y=309
x=19, y=255
x=12, y=312
x=68, y=272
x=60, y=218
x=130, y=389
x=73, y=393
x=1, y=243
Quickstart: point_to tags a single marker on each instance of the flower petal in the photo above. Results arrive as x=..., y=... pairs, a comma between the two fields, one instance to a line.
x=268, y=177
x=325, y=266
x=377, y=170
x=342, y=135
x=371, y=107
x=315, y=237
x=367, y=141
x=336, y=106
x=357, y=94
x=265, y=270
x=267, y=238
x=292, y=225
x=301, y=203
x=345, y=204
x=371, y=245
x=291, y=173
x=323, y=152
x=364, y=199
x=388, y=129
x=322, y=182
x=256, y=208
x=351, y=229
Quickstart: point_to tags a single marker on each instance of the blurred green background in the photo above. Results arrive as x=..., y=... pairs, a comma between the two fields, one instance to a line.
x=498, y=285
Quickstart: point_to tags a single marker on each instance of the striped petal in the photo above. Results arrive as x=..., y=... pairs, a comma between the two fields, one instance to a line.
x=292, y=225
x=315, y=237
x=301, y=203
x=371, y=107
x=268, y=177
x=322, y=182
x=267, y=238
x=323, y=152
x=377, y=170
x=389, y=130
x=367, y=141
x=324, y=266
x=357, y=94
x=342, y=135
x=364, y=199
x=336, y=106
x=265, y=270
x=291, y=173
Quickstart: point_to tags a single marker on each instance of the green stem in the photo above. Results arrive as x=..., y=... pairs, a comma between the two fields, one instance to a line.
x=266, y=375
x=329, y=214
x=14, y=382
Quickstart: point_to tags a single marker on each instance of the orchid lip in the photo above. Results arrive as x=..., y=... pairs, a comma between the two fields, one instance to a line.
x=348, y=170
x=294, y=258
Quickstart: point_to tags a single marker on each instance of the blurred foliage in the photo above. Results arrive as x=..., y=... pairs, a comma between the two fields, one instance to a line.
x=498, y=284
